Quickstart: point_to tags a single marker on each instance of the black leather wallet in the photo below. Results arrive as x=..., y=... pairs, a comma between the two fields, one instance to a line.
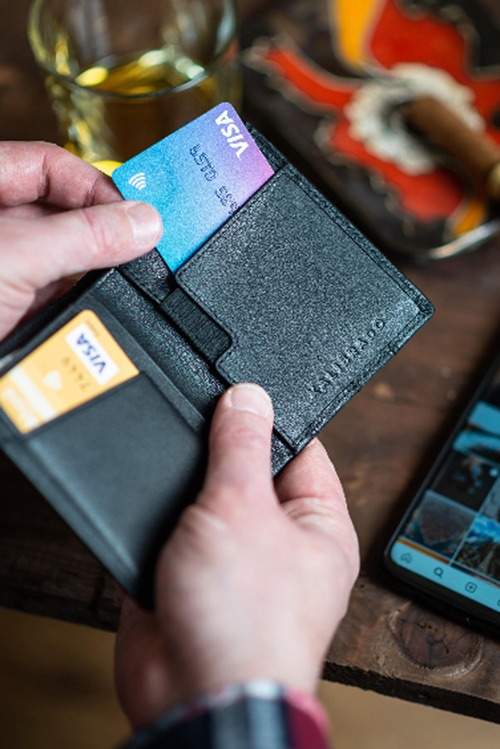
x=287, y=294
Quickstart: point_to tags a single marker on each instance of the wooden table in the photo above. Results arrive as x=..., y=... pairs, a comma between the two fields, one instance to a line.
x=381, y=443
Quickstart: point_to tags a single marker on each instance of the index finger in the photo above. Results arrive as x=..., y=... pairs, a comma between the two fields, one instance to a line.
x=310, y=475
x=311, y=495
x=46, y=172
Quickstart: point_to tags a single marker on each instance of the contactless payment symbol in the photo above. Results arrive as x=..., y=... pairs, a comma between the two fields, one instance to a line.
x=138, y=181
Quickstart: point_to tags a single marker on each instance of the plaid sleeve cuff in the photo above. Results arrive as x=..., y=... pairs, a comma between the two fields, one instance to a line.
x=255, y=715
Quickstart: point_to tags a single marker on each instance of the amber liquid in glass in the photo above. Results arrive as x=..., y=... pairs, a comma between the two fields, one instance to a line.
x=123, y=104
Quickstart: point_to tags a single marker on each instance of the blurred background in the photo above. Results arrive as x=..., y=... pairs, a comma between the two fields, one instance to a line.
x=56, y=690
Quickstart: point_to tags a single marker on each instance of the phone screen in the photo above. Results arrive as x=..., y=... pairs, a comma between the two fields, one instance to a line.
x=451, y=536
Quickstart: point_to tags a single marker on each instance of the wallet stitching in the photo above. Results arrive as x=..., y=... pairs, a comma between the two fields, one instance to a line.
x=375, y=256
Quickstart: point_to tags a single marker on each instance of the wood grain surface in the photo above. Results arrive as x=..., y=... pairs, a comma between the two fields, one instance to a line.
x=381, y=443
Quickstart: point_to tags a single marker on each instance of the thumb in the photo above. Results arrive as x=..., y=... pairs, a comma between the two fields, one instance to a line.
x=239, y=465
x=49, y=248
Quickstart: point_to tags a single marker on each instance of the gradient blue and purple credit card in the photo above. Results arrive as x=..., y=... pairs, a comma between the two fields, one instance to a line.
x=196, y=178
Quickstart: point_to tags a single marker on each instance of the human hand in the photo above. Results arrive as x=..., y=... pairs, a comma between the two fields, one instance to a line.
x=255, y=578
x=60, y=217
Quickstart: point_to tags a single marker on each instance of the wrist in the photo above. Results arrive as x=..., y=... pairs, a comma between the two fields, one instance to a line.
x=214, y=680
x=212, y=669
x=257, y=708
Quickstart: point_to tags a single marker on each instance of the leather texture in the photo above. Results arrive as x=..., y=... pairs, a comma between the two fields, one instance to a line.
x=287, y=293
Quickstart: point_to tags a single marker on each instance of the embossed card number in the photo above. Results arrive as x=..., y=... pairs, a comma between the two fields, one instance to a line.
x=78, y=363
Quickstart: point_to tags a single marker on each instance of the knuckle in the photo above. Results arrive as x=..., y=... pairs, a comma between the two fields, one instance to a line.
x=199, y=524
x=347, y=550
x=96, y=230
x=223, y=501
x=107, y=232
x=201, y=534
x=332, y=529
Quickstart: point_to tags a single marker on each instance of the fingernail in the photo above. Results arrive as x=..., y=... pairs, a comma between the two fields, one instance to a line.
x=248, y=397
x=146, y=224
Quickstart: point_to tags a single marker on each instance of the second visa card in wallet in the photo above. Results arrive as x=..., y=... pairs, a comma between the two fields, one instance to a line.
x=106, y=397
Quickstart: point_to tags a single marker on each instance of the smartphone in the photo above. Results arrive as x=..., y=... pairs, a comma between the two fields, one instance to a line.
x=447, y=547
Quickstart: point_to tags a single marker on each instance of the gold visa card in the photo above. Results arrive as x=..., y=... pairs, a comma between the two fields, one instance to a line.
x=75, y=365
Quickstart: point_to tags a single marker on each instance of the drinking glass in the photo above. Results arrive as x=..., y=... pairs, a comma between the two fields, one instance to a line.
x=122, y=74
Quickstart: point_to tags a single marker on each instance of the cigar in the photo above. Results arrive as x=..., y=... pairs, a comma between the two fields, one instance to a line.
x=477, y=152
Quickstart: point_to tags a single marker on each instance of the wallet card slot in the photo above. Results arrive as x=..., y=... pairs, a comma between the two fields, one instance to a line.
x=312, y=309
x=274, y=157
x=200, y=328
x=149, y=327
x=131, y=452
x=192, y=375
x=147, y=365
x=151, y=275
x=140, y=358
